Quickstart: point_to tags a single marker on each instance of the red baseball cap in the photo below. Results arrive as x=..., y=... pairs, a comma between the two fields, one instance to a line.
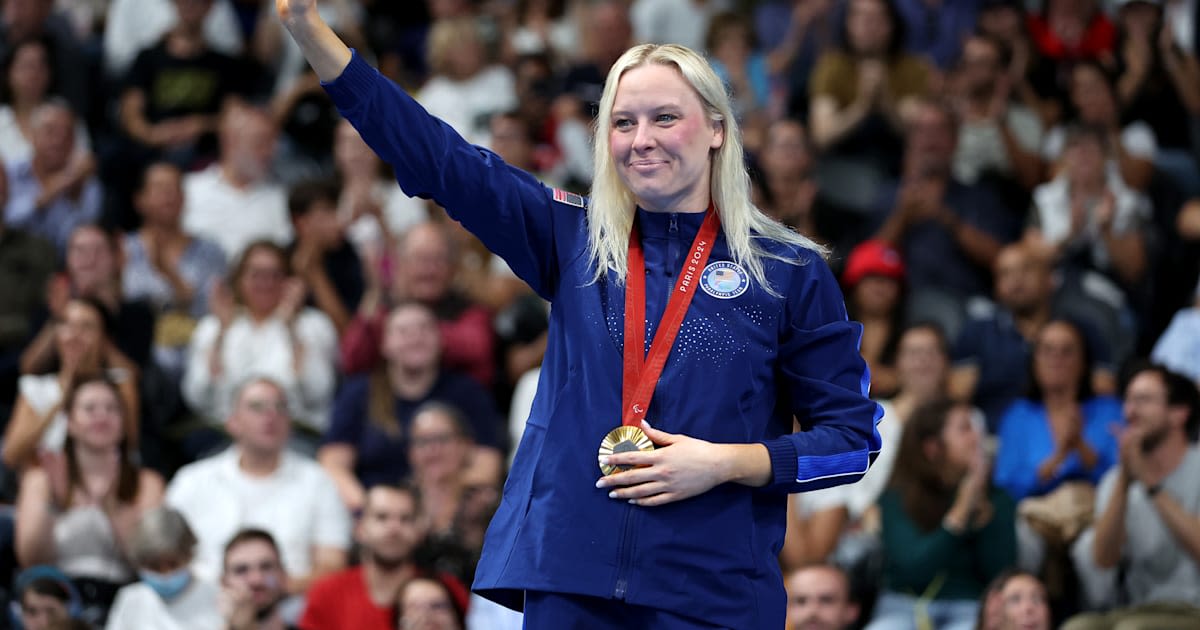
x=872, y=257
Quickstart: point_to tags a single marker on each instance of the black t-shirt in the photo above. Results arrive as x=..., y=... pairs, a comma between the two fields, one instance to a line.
x=177, y=86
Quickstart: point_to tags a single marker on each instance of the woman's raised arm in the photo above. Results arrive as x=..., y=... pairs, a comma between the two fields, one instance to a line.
x=325, y=51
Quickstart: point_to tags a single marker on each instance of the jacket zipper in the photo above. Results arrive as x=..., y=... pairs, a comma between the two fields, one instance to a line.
x=625, y=542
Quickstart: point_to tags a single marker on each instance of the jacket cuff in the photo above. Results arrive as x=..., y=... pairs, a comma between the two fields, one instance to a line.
x=353, y=84
x=784, y=461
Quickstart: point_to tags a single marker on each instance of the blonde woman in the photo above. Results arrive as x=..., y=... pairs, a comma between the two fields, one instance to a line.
x=675, y=525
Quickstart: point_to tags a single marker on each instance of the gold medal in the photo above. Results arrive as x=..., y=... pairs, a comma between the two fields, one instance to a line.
x=623, y=439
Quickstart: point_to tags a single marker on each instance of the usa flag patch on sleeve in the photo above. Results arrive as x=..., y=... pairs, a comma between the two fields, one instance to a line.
x=569, y=198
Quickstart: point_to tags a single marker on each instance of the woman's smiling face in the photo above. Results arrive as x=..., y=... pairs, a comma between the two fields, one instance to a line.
x=662, y=138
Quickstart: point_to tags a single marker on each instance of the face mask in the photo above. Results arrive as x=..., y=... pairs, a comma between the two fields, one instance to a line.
x=167, y=585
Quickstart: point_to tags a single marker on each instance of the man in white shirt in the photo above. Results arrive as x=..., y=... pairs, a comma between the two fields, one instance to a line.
x=258, y=483
x=234, y=202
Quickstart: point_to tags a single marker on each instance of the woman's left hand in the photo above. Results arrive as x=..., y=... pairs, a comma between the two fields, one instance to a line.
x=680, y=467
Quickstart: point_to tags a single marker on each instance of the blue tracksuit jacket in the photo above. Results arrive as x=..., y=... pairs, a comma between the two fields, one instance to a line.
x=742, y=366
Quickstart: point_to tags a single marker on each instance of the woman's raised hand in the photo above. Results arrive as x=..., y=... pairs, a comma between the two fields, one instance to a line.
x=290, y=10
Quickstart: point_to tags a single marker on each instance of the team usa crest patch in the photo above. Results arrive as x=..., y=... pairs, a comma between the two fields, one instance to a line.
x=569, y=198
x=724, y=279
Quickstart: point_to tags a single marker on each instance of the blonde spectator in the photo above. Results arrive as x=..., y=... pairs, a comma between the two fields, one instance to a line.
x=465, y=87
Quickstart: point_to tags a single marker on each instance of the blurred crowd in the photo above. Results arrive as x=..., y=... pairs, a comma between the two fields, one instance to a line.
x=249, y=382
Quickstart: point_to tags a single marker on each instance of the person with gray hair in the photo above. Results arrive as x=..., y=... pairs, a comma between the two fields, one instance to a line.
x=35, y=204
x=675, y=525
x=169, y=595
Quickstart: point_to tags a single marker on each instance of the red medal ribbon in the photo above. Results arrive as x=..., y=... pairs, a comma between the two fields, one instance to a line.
x=640, y=377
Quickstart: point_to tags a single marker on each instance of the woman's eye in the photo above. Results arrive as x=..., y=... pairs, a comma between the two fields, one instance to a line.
x=622, y=123
x=664, y=118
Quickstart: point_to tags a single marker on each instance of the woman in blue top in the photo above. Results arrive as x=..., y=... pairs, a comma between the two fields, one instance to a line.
x=1060, y=431
x=684, y=535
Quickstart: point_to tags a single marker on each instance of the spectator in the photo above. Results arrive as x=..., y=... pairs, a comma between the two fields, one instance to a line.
x=948, y=232
x=234, y=202
x=428, y=604
x=465, y=88
x=994, y=348
x=253, y=582
x=922, y=369
x=94, y=272
x=27, y=82
x=797, y=33
x=842, y=524
x=373, y=415
x=608, y=35
x=132, y=26
x=1033, y=78
x=40, y=422
x=1086, y=218
x=45, y=597
x=424, y=269
x=1160, y=84
x=936, y=28
x=23, y=20
x=946, y=531
x=674, y=21
x=169, y=596
x=391, y=528
x=26, y=264
x=258, y=482
x=1015, y=599
x=1178, y=348
x=371, y=203
x=80, y=511
x=439, y=451
x=175, y=90
x=1146, y=510
x=1061, y=430
x=999, y=140
x=1067, y=32
x=874, y=283
x=544, y=27
x=731, y=46
x=167, y=267
x=1130, y=148
x=863, y=97
x=819, y=599
x=48, y=196
x=263, y=329
x=320, y=254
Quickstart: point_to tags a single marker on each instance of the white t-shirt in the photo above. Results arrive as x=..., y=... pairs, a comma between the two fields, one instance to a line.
x=298, y=505
x=1137, y=138
x=232, y=218
x=250, y=350
x=981, y=147
x=138, y=606
x=674, y=21
x=15, y=147
x=466, y=105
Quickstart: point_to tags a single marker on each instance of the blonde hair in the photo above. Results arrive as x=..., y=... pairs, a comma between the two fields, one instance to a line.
x=612, y=207
x=446, y=35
